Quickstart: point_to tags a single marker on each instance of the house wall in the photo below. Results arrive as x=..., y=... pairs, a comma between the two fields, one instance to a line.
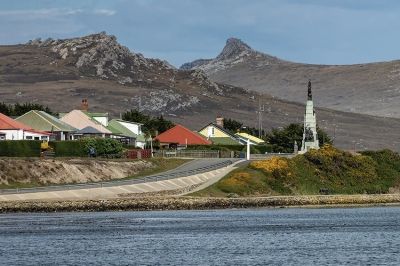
x=102, y=120
x=135, y=128
x=140, y=144
x=15, y=134
x=207, y=132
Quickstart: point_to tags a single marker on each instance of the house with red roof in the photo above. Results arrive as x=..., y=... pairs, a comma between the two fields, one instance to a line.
x=11, y=129
x=181, y=136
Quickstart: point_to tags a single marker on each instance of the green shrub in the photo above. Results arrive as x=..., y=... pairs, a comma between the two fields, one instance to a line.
x=70, y=148
x=20, y=148
x=80, y=148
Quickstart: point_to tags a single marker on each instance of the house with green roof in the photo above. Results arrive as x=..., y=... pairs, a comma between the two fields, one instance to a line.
x=128, y=132
x=80, y=120
x=218, y=135
x=42, y=121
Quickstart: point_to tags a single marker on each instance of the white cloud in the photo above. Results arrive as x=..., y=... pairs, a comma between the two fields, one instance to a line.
x=104, y=12
x=40, y=13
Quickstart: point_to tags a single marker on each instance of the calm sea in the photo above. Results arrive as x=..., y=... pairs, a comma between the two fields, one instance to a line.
x=341, y=236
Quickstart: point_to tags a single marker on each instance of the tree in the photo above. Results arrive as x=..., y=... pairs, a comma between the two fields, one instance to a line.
x=232, y=125
x=20, y=109
x=151, y=125
x=283, y=139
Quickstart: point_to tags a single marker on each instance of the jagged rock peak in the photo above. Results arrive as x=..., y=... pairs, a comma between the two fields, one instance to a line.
x=233, y=47
x=101, y=55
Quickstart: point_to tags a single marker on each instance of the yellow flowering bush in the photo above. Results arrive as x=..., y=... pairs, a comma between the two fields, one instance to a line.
x=239, y=183
x=275, y=165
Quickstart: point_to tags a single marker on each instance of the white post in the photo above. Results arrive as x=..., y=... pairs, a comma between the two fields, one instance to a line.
x=248, y=150
x=151, y=147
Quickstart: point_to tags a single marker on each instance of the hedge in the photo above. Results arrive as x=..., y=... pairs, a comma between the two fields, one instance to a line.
x=70, y=148
x=80, y=148
x=20, y=148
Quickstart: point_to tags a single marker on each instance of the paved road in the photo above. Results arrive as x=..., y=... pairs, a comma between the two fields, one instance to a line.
x=200, y=163
x=198, y=173
x=195, y=166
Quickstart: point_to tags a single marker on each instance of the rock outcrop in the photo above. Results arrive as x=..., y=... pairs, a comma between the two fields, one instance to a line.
x=234, y=53
x=102, y=56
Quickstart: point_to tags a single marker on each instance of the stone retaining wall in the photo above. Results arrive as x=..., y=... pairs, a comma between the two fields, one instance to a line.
x=190, y=203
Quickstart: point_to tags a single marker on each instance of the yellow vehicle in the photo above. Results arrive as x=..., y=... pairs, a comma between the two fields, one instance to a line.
x=44, y=146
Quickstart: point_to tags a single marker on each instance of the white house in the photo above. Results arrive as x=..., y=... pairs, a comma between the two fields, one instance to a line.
x=14, y=130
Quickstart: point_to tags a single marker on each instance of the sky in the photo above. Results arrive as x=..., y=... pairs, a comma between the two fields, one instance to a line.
x=179, y=31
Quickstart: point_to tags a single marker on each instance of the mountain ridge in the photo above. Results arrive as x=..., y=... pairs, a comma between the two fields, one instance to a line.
x=371, y=88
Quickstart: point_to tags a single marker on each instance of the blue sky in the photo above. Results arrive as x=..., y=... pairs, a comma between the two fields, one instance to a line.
x=309, y=31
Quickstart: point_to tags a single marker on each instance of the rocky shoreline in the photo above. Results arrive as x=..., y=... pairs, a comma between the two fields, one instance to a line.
x=192, y=203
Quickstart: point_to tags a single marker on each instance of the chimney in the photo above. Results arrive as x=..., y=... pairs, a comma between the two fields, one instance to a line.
x=220, y=121
x=84, y=105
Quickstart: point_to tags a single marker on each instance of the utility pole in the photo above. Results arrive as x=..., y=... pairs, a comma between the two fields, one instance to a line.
x=140, y=104
x=261, y=109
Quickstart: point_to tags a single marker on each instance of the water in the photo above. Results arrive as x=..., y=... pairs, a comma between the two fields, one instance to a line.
x=343, y=236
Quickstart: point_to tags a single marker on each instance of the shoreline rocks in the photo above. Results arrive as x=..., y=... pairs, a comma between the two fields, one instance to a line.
x=195, y=203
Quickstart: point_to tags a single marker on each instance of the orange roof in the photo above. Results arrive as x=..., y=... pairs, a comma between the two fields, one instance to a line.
x=182, y=136
x=9, y=123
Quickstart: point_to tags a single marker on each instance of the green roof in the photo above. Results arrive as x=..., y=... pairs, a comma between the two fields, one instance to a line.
x=43, y=121
x=117, y=128
x=224, y=141
x=95, y=114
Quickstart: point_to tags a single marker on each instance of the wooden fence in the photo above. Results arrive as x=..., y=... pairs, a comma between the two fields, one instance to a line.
x=188, y=154
x=138, y=154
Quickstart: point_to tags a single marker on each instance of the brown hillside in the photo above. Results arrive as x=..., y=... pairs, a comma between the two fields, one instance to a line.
x=59, y=73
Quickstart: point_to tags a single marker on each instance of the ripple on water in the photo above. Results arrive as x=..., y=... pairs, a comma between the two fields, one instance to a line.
x=355, y=236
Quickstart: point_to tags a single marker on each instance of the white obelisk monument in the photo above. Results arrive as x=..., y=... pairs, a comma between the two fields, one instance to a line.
x=310, y=136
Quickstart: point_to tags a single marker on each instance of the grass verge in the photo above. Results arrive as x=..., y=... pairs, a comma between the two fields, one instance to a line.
x=160, y=165
x=324, y=171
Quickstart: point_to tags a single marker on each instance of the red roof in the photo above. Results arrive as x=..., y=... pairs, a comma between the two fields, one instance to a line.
x=182, y=136
x=9, y=123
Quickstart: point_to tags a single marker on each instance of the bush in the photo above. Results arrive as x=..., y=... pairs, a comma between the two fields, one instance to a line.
x=20, y=148
x=241, y=183
x=80, y=148
x=70, y=148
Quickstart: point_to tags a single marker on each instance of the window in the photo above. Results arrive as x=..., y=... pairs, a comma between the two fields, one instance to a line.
x=36, y=138
x=28, y=137
x=2, y=136
x=43, y=137
x=212, y=131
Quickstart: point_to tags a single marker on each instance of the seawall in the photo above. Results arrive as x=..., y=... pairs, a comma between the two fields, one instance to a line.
x=191, y=203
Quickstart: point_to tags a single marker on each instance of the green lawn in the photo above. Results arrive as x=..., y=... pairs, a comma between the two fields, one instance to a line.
x=243, y=181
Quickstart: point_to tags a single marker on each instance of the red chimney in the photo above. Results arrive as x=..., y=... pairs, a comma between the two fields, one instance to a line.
x=84, y=105
x=220, y=121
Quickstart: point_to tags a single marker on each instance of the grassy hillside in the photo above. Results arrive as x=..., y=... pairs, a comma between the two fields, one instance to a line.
x=324, y=171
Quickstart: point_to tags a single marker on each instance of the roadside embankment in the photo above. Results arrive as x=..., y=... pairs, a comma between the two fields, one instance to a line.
x=20, y=172
x=192, y=203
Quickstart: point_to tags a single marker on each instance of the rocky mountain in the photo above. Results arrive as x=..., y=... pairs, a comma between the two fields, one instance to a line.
x=363, y=88
x=60, y=73
x=99, y=57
